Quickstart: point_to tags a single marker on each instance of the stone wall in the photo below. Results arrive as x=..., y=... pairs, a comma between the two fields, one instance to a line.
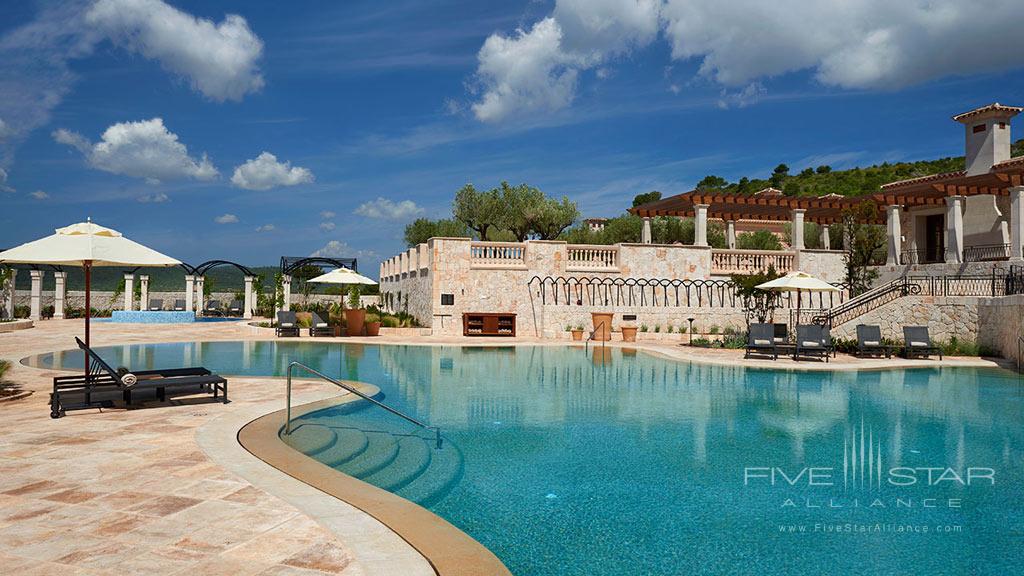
x=1002, y=323
x=496, y=277
x=945, y=318
x=104, y=300
x=825, y=264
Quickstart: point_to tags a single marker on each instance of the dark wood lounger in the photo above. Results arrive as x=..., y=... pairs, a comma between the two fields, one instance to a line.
x=103, y=387
x=812, y=341
x=869, y=341
x=761, y=340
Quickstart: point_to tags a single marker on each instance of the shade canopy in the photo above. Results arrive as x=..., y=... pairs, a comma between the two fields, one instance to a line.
x=342, y=276
x=797, y=281
x=84, y=242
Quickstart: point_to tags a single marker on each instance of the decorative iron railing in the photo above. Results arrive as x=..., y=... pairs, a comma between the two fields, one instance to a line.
x=497, y=254
x=660, y=293
x=747, y=261
x=1015, y=281
x=986, y=252
x=922, y=256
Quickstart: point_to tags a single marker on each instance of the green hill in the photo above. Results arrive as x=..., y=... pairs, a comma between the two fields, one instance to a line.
x=821, y=180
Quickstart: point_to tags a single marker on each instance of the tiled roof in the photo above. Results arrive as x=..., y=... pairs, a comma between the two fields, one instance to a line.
x=994, y=107
x=925, y=179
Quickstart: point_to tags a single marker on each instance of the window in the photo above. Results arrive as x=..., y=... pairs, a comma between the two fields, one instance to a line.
x=979, y=128
x=447, y=299
x=1002, y=125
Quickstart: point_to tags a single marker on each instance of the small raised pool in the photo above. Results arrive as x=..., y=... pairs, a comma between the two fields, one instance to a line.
x=612, y=462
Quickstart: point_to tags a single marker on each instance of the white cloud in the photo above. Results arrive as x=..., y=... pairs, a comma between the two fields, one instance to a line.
x=226, y=219
x=154, y=198
x=327, y=226
x=144, y=149
x=265, y=172
x=39, y=195
x=265, y=228
x=4, y=129
x=339, y=249
x=220, y=60
x=747, y=96
x=327, y=214
x=3, y=182
x=847, y=43
x=387, y=209
x=537, y=70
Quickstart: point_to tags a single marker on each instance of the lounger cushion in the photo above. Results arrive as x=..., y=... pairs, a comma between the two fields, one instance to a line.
x=810, y=344
x=321, y=324
x=872, y=343
x=129, y=380
x=917, y=344
x=779, y=339
x=287, y=325
x=760, y=342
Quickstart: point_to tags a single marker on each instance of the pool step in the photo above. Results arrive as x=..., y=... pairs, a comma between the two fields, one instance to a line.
x=383, y=449
x=311, y=439
x=412, y=460
x=444, y=473
x=350, y=443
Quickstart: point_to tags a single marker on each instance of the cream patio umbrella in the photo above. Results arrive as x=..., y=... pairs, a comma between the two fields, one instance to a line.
x=87, y=245
x=342, y=276
x=798, y=282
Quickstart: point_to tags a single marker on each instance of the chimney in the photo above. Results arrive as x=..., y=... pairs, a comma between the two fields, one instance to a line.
x=988, y=136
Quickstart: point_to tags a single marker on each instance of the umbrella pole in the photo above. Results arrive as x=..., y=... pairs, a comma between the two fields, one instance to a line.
x=88, y=309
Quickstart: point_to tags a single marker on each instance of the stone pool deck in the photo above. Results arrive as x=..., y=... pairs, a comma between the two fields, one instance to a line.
x=167, y=489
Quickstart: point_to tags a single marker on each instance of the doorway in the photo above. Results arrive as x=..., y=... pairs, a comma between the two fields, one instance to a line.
x=935, y=238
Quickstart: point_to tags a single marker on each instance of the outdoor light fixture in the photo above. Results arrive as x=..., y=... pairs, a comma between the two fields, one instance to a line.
x=690, y=341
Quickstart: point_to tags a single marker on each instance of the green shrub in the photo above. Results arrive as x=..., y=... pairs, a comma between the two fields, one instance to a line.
x=713, y=329
x=657, y=328
x=643, y=327
x=5, y=365
x=734, y=342
x=390, y=322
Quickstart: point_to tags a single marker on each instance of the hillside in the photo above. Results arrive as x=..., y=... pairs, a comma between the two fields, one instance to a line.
x=821, y=180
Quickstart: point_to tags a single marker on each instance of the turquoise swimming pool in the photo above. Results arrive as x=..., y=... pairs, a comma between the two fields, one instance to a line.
x=617, y=462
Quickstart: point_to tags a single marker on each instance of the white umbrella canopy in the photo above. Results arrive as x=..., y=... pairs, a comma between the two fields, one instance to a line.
x=797, y=281
x=342, y=276
x=87, y=245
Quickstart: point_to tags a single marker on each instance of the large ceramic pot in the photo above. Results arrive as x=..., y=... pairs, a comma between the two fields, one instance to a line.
x=629, y=333
x=577, y=335
x=355, y=318
x=372, y=328
x=602, y=325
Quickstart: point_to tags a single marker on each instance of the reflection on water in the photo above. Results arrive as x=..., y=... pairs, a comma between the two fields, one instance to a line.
x=607, y=461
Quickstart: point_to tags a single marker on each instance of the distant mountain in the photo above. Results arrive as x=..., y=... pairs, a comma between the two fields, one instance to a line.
x=821, y=180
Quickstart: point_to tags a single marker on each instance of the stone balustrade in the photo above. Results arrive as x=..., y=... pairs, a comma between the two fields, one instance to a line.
x=586, y=257
x=497, y=254
x=725, y=262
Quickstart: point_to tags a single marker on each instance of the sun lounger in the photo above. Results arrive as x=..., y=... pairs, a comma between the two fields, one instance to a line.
x=869, y=341
x=287, y=324
x=320, y=328
x=156, y=304
x=761, y=340
x=179, y=305
x=235, y=308
x=214, y=308
x=917, y=342
x=105, y=386
x=812, y=340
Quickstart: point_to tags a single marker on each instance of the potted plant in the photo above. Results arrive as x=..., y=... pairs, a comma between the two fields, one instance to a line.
x=577, y=333
x=372, y=324
x=629, y=333
x=355, y=316
x=602, y=325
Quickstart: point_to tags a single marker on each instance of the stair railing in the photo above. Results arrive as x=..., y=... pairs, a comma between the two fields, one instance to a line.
x=900, y=287
x=593, y=333
x=288, y=402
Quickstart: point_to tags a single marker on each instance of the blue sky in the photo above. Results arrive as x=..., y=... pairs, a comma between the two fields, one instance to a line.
x=375, y=113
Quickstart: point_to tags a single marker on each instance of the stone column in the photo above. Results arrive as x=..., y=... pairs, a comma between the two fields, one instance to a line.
x=894, y=237
x=1016, y=223
x=730, y=234
x=37, y=295
x=700, y=225
x=249, y=303
x=10, y=291
x=797, y=232
x=287, y=292
x=144, y=292
x=645, y=235
x=129, y=291
x=59, y=294
x=190, y=292
x=826, y=240
x=200, y=295
x=954, y=230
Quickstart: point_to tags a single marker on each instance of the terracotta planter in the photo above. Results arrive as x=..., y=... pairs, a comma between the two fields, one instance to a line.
x=372, y=328
x=354, y=321
x=602, y=325
x=577, y=335
x=629, y=333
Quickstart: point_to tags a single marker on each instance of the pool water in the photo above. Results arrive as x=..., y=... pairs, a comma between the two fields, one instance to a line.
x=611, y=462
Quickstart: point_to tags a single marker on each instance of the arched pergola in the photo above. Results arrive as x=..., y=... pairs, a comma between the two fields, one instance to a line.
x=195, y=279
x=289, y=264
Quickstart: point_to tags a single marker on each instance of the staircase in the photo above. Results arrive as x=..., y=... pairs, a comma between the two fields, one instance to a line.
x=875, y=298
x=406, y=464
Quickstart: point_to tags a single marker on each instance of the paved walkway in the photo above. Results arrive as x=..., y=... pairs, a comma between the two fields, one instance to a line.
x=126, y=492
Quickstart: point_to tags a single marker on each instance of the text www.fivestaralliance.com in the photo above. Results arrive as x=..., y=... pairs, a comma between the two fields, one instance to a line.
x=849, y=528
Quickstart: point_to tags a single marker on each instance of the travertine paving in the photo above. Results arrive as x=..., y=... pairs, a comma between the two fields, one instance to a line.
x=133, y=492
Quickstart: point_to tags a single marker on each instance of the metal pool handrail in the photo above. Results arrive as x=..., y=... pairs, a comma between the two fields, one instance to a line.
x=600, y=326
x=342, y=385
